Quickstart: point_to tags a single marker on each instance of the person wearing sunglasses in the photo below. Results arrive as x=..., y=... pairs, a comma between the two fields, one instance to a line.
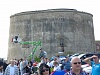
x=44, y=69
x=76, y=67
x=95, y=64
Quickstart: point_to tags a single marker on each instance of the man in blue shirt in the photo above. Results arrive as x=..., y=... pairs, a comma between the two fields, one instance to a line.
x=95, y=64
x=66, y=64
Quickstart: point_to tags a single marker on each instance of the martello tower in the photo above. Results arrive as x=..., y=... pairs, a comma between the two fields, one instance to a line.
x=57, y=29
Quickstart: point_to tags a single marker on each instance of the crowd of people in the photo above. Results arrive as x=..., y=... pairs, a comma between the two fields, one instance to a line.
x=47, y=67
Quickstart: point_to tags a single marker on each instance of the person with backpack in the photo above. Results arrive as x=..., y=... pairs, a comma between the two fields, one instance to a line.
x=42, y=53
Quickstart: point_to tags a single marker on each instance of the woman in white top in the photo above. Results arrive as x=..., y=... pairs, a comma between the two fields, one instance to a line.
x=56, y=66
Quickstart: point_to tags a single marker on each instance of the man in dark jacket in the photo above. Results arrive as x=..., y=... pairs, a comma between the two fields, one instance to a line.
x=42, y=54
x=1, y=65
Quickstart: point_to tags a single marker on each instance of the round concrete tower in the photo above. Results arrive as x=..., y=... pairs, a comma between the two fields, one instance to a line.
x=57, y=29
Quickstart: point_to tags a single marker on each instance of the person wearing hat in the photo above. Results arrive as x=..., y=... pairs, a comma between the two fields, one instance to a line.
x=66, y=65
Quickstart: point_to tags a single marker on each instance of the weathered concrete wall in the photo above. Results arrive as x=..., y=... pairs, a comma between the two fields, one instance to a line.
x=56, y=29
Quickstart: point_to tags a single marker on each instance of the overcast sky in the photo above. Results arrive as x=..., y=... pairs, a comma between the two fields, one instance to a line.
x=11, y=7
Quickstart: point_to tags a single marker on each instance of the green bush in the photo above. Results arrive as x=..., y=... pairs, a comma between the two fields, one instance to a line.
x=36, y=58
